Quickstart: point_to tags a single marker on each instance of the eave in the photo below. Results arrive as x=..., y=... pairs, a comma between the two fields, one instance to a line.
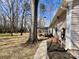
x=59, y=12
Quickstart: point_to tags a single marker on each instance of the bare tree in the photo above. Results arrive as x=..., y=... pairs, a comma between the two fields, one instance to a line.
x=42, y=11
x=33, y=35
x=8, y=10
x=14, y=10
x=16, y=15
x=25, y=8
x=41, y=19
x=1, y=23
x=4, y=28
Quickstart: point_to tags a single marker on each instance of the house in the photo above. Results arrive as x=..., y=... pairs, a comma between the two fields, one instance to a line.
x=42, y=30
x=68, y=17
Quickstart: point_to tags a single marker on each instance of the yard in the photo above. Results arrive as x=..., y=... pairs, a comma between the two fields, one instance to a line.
x=11, y=48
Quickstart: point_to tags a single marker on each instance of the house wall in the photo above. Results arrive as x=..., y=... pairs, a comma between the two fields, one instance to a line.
x=61, y=23
x=75, y=24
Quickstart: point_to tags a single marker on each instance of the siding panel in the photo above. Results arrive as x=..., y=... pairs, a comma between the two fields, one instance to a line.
x=75, y=23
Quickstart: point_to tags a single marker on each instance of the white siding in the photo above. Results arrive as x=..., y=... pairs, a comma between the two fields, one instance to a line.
x=68, y=27
x=75, y=24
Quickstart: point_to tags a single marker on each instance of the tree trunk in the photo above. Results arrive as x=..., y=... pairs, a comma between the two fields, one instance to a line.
x=4, y=28
x=33, y=35
x=25, y=23
x=17, y=15
x=12, y=18
x=22, y=22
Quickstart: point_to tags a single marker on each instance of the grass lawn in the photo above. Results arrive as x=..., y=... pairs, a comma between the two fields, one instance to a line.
x=11, y=48
x=6, y=40
x=15, y=35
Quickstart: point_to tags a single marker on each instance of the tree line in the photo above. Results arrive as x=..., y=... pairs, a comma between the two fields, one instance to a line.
x=14, y=16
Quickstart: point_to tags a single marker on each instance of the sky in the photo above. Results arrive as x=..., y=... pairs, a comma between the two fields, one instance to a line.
x=51, y=9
